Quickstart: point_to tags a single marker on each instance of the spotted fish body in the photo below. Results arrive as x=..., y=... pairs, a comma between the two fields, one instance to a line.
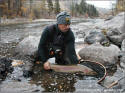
x=73, y=68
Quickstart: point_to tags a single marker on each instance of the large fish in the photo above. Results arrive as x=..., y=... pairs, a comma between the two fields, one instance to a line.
x=64, y=68
x=73, y=68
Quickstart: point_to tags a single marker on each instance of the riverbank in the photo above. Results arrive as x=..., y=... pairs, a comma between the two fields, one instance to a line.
x=16, y=21
x=5, y=22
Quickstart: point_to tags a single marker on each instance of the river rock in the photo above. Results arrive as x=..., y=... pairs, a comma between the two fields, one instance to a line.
x=99, y=53
x=115, y=27
x=116, y=22
x=112, y=32
x=122, y=29
x=116, y=39
x=95, y=36
x=123, y=46
x=109, y=18
x=116, y=36
x=28, y=46
x=122, y=59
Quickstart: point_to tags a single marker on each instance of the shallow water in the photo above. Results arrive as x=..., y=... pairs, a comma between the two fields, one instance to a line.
x=49, y=81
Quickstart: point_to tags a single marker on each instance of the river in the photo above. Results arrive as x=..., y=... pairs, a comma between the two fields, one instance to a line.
x=44, y=81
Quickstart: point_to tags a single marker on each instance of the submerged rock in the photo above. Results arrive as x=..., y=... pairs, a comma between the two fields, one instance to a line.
x=99, y=53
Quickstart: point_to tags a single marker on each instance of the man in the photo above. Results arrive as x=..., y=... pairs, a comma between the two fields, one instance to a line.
x=58, y=41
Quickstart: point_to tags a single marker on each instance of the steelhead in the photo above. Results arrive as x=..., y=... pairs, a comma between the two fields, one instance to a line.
x=73, y=68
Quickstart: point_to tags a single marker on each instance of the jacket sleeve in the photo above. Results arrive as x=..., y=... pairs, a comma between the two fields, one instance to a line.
x=42, y=46
x=70, y=48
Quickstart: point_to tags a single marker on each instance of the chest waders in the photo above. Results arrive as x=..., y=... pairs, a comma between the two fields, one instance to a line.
x=56, y=45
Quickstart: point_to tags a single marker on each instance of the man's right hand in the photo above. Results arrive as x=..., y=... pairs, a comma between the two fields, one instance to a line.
x=47, y=66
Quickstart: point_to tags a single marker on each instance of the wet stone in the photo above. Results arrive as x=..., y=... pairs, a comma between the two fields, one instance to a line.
x=5, y=67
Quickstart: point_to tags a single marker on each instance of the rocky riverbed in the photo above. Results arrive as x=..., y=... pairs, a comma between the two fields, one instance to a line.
x=95, y=41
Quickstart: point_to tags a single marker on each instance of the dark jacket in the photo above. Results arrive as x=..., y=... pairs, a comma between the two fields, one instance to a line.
x=48, y=36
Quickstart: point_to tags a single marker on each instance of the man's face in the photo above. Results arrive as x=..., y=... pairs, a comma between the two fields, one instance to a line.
x=64, y=27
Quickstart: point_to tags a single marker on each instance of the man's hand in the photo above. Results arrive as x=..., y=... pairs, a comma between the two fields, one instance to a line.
x=46, y=65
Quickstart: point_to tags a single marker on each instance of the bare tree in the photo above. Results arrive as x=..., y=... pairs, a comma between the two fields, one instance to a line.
x=50, y=6
x=57, y=7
